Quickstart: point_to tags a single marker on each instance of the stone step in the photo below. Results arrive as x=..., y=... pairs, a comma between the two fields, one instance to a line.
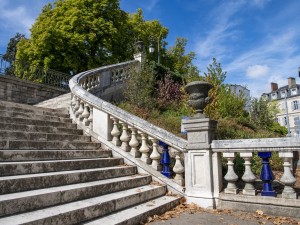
x=36, y=122
x=16, y=114
x=11, y=106
x=32, y=155
x=139, y=213
x=35, y=128
x=47, y=145
x=30, y=167
x=18, y=183
x=41, y=198
x=84, y=210
x=38, y=136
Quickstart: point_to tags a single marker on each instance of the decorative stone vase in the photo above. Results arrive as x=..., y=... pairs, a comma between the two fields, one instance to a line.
x=198, y=91
x=139, y=47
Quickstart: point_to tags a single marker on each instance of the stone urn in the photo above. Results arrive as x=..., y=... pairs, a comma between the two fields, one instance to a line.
x=198, y=92
x=139, y=47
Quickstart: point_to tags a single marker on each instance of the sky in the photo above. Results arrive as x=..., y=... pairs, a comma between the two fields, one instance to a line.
x=256, y=41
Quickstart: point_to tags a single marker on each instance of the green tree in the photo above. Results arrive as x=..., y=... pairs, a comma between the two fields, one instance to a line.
x=150, y=32
x=11, y=49
x=263, y=113
x=216, y=76
x=78, y=35
x=177, y=60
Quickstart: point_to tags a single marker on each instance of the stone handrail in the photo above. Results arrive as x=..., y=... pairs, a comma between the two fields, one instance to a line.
x=122, y=129
x=264, y=147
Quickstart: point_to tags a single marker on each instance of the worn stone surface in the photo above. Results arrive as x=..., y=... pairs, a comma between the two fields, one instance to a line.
x=22, y=91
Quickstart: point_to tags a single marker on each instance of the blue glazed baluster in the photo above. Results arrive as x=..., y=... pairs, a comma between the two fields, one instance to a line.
x=165, y=160
x=266, y=175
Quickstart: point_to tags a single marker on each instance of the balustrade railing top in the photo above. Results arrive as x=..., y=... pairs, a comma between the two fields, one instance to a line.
x=79, y=88
x=263, y=145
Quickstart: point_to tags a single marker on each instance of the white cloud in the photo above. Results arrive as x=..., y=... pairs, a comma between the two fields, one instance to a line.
x=151, y=4
x=18, y=18
x=257, y=71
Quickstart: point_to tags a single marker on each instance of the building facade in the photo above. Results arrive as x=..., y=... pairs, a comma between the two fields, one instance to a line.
x=288, y=101
x=240, y=90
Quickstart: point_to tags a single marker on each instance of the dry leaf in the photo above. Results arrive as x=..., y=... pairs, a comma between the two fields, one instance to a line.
x=259, y=212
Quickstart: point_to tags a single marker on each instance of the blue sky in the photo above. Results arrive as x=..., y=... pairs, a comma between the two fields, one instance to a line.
x=257, y=41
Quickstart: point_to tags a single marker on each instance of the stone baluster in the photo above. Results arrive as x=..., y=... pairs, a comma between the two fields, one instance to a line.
x=90, y=118
x=80, y=110
x=73, y=101
x=125, y=137
x=84, y=85
x=155, y=156
x=89, y=83
x=230, y=176
x=85, y=114
x=266, y=175
x=287, y=178
x=115, y=133
x=178, y=169
x=248, y=176
x=165, y=160
x=93, y=81
x=144, y=149
x=76, y=107
x=134, y=143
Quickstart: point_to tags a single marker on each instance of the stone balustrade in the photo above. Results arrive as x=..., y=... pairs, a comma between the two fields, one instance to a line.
x=139, y=140
x=191, y=167
x=246, y=148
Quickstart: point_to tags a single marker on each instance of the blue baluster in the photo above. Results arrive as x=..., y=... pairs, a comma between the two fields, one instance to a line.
x=266, y=175
x=165, y=160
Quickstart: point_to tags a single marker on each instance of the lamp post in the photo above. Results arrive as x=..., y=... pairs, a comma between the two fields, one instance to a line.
x=152, y=49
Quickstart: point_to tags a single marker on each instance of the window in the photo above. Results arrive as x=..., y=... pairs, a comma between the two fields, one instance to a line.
x=278, y=120
x=296, y=120
x=294, y=91
x=284, y=121
x=274, y=96
x=295, y=105
x=283, y=106
x=283, y=94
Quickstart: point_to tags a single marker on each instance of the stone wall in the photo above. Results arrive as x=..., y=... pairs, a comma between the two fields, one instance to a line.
x=21, y=91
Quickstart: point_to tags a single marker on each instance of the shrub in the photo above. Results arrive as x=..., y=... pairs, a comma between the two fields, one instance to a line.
x=168, y=92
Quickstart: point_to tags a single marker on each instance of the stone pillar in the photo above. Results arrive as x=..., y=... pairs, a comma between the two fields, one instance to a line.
x=139, y=52
x=203, y=177
x=102, y=124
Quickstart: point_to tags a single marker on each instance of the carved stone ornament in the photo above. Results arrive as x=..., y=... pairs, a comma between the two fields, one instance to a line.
x=198, y=91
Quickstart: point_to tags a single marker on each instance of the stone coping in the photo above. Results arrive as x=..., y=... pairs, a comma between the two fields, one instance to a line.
x=16, y=80
x=262, y=145
x=132, y=120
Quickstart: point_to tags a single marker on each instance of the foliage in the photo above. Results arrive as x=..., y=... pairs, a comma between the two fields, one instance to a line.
x=263, y=113
x=216, y=77
x=11, y=49
x=140, y=89
x=178, y=61
x=168, y=92
x=150, y=32
x=231, y=104
x=77, y=35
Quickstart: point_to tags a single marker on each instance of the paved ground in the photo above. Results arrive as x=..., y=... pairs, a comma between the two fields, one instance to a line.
x=196, y=216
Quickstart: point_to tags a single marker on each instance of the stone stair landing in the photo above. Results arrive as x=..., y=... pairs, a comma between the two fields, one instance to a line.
x=50, y=173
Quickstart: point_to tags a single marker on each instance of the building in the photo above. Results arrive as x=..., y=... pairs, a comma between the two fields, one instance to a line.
x=240, y=90
x=288, y=99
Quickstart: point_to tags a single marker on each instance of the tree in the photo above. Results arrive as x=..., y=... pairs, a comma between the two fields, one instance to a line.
x=11, y=49
x=263, y=113
x=150, y=32
x=216, y=77
x=177, y=60
x=78, y=35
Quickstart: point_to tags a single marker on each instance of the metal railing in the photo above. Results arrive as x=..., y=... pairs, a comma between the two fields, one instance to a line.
x=35, y=74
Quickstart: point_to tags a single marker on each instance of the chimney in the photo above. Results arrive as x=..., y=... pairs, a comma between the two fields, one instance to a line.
x=299, y=71
x=274, y=86
x=292, y=82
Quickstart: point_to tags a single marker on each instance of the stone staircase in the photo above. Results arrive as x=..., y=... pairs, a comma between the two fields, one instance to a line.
x=50, y=173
